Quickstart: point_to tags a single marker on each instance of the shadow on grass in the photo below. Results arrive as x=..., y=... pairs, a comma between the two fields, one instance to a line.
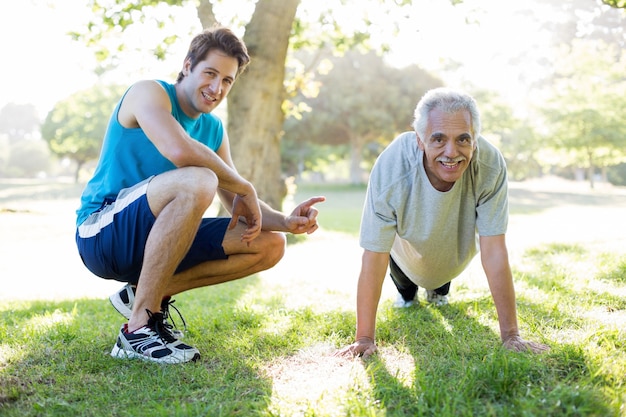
x=467, y=373
x=54, y=356
x=54, y=360
x=460, y=368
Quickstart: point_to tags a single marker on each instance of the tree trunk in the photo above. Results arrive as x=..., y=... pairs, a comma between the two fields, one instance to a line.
x=591, y=170
x=79, y=166
x=205, y=14
x=255, y=115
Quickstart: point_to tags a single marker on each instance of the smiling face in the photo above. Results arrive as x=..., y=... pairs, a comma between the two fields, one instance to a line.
x=448, y=147
x=205, y=86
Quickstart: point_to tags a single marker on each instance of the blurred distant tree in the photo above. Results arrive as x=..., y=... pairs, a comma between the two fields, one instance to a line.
x=514, y=137
x=19, y=121
x=586, y=118
x=28, y=158
x=616, y=174
x=75, y=127
x=363, y=103
x=273, y=28
x=562, y=22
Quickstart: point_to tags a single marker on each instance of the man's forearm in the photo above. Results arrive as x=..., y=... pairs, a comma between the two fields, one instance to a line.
x=373, y=268
x=273, y=220
x=367, y=306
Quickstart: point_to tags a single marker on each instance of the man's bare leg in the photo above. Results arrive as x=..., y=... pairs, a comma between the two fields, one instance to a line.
x=178, y=199
x=243, y=260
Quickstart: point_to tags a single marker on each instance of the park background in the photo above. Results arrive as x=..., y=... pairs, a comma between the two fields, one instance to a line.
x=549, y=79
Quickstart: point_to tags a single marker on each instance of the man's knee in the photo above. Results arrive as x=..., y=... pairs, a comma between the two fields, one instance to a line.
x=273, y=249
x=195, y=185
x=198, y=182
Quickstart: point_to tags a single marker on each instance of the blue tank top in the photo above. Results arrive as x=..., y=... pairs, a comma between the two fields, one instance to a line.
x=129, y=157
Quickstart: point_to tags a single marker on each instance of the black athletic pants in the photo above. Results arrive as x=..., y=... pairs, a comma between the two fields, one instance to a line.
x=405, y=286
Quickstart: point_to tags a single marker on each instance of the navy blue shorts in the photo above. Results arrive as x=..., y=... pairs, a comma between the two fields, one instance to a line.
x=111, y=241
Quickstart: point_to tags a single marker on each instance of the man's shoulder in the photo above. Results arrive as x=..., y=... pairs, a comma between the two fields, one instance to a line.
x=396, y=168
x=149, y=84
x=488, y=172
x=148, y=91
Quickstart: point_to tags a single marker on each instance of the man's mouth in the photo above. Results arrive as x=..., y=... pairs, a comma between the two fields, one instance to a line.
x=450, y=163
x=208, y=97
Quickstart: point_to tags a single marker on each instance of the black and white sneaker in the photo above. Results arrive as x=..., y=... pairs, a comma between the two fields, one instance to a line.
x=153, y=342
x=124, y=299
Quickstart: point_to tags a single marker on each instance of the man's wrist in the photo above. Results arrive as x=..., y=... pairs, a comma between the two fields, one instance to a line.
x=246, y=189
x=509, y=334
x=364, y=339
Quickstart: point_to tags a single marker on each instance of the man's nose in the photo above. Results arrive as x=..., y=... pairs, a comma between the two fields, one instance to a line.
x=451, y=150
x=216, y=86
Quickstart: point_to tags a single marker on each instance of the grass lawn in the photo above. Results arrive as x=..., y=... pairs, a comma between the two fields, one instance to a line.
x=267, y=340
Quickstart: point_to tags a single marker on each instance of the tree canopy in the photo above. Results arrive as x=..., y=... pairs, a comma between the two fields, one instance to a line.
x=585, y=114
x=75, y=127
x=279, y=85
x=362, y=102
x=616, y=3
x=256, y=105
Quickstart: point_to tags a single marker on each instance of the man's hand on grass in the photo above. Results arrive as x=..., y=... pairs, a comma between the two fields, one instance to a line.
x=517, y=344
x=364, y=347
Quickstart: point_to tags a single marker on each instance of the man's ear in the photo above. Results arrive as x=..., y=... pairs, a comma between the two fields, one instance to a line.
x=420, y=144
x=186, y=67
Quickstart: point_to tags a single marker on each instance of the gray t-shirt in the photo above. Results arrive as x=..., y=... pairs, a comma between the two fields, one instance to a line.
x=432, y=235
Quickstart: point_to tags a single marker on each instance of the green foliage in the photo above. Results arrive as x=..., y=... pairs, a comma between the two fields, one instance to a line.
x=616, y=174
x=22, y=154
x=27, y=158
x=357, y=107
x=616, y=3
x=515, y=137
x=111, y=29
x=313, y=28
x=585, y=118
x=350, y=104
x=114, y=16
x=75, y=127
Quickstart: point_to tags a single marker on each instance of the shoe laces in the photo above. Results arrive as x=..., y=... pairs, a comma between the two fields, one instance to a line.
x=156, y=322
x=165, y=309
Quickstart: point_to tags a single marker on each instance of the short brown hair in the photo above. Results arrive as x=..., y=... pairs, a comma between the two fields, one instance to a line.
x=216, y=38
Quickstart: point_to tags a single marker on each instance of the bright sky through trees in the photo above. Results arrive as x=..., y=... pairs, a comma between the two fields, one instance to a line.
x=41, y=65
